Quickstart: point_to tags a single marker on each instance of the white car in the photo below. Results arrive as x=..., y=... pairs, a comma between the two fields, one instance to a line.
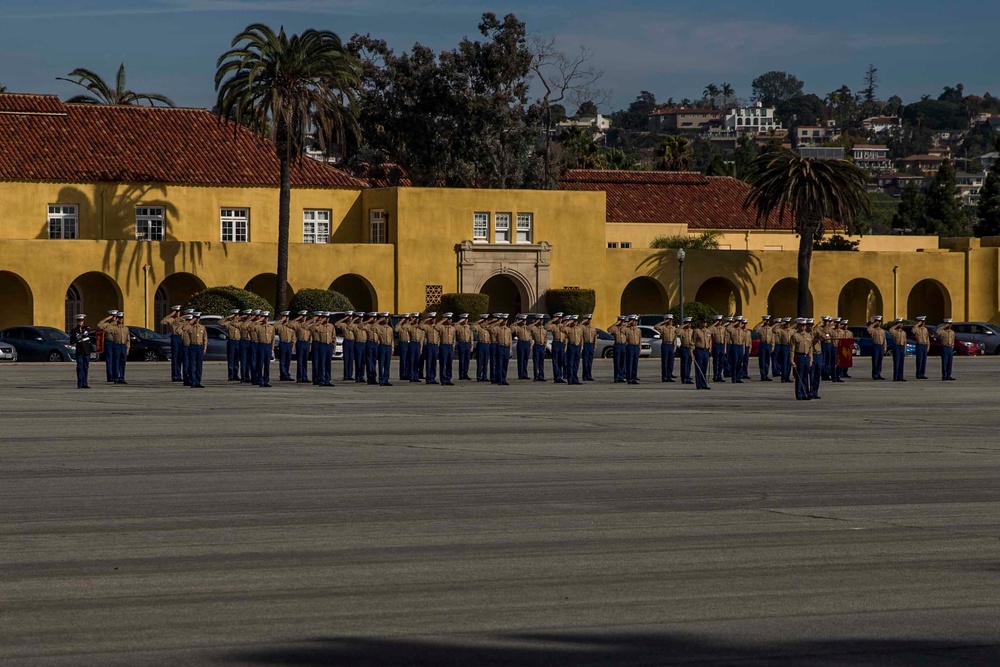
x=7, y=352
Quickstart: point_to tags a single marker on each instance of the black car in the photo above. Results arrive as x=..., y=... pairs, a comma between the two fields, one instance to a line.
x=39, y=343
x=147, y=345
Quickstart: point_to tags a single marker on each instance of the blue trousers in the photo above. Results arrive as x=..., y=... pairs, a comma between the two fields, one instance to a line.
x=430, y=373
x=538, y=360
x=503, y=361
x=384, y=363
x=176, y=358
x=764, y=360
x=302, y=360
x=253, y=358
x=285, y=360
x=736, y=363
x=921, y=361
x=464, y=353
x=818, y=368
x=777, y=361
x=667, y=361
x=245, y=373
x=523, y=354
x=802, y=376
x=492, y=351
x=877, y=355
x=482, y=362
x=898, y=361
x=419, y=360
x=121, y=349
x=317, y=372
x=360, y=366
x=947, y=356
x=446, y=356
x=403, y=349
x=685, y=355
x=232, y=359
x=573, y=355
x=263, y=363
x=786, y=363
x=371, y=361
x=619, y=361
x=325, y=365
x=746, y=363
x=348, y=359
x=718, y=361
x=701, y=371
x=558, y=352
x=82, y=368
x=588, y=362
x=195, y=361
x=632, y=363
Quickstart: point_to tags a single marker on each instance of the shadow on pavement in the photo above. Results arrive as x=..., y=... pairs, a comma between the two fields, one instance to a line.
x=530, y=650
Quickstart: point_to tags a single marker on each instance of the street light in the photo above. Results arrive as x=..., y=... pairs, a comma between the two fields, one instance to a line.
x=680, y=262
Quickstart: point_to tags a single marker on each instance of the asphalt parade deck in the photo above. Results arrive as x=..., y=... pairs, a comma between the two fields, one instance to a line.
x=530, y=525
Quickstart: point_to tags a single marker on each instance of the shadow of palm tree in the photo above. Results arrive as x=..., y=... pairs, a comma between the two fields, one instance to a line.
x=741, y=267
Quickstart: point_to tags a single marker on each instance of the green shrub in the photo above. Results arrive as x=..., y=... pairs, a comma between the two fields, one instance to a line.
x=220, y=300
x=570, y=301
x=466, y=302
x=696, y=310
x=319, y=299
x=706, y=241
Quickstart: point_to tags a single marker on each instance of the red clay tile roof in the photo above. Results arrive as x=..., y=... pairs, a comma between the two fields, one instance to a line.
x=43, y=139
x=700, y=202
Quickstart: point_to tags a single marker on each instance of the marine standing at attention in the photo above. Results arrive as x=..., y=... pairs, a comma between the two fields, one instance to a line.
x=702, y=341
x=174, y=322
x=801, y=345
x=947, y=336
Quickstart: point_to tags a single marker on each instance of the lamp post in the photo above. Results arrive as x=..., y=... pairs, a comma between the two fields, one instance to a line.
x=680, y=262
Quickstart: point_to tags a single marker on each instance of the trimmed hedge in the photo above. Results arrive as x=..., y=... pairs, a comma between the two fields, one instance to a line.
x=696, y=310
x=220, y=300
x=319, y=299
x=570, y=301
x=464, y=302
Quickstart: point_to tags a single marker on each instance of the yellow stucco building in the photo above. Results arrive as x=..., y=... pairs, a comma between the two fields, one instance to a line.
x=139, y=208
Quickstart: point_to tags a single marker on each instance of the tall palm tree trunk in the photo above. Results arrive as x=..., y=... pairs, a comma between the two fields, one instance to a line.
x=807, y=231
x=284, y=207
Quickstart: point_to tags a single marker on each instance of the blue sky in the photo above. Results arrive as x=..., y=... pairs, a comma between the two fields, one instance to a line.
x=672, y=49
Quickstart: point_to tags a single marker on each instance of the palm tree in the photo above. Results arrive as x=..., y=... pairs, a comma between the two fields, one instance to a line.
x=727, y=93
x=811, y=191
x=674, y=154
x=3, y=89
x=102, y=93
x=711, y=93
x=618, y=159
x=281, y=87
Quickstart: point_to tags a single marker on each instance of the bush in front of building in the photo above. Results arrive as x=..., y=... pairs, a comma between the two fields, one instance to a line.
x=220, y=300
x=464, y=302
x=319, y=299
x=696, y=310
x=570, y=301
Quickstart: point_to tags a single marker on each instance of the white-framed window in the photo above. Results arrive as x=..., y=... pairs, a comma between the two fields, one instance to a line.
x=501, y=227
x=626, y=244
x=525, y=221
x=315, y=225
x=148, y=223
x=480, y=227
x=378, y=228
x=235, y=225
x=63, y=221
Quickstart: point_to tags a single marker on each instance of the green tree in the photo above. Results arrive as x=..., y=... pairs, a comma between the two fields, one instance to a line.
x=102, y=93
x=636, y=116
x=911, y=214
x=944, y=211
x=698, y=312
x=711, y=94
x=871, y=85
x=581, y=151
x=988, y=209
x=319, y=299
x=800, y=110
x=787, y=185
x=836, y=242
x=705, y=241
x=674, y=154
x=775, y=87
x=280, y=87
x=878, y=220
x=618, y=159
x=3, y=89
x=935, y=115
x=728, y=93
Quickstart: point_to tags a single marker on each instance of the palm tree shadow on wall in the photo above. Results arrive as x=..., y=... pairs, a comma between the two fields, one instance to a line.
x=613, y=650
x=741, y=267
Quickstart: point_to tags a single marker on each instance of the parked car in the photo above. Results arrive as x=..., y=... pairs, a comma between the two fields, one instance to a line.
x=653, y=337
x=217, y=338
x=934, y=349
x=605, y=346
x=984, y=333
x=39, y=343
x=8, y=352
x=863, y=343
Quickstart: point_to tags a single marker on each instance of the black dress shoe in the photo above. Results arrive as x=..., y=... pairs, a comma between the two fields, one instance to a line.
x=507, y=384
x=387, y=384
x=265, y=386
x=199, y=386
x=432, y=382
x=447, y=384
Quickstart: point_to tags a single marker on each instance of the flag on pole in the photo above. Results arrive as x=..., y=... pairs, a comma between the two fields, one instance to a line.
x=845, y=353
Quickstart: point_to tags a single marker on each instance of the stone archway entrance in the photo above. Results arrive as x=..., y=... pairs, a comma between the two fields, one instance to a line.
x=506, y=295
x=18, y=304
x=524, y=265
x=929, y=297
x=783, y=298
x=722, y=295
x=358, y=291
x=643, y=296
x=859, y=301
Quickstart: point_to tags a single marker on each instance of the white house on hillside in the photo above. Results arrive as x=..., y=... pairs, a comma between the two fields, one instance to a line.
x=755, y=119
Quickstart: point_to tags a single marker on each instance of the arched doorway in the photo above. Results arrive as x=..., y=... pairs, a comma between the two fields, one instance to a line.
x=859, y=301
x=930, y=298
x=16, y=303
x=506, y=296
x=175, y=290
x=94, y=294
x=643, y=296
x=358, y=291
x=265, y=285
x=722, y=295
x=782, y=300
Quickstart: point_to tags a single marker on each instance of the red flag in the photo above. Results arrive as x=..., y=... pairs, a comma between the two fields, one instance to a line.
x=845, y=353
x=99, y=341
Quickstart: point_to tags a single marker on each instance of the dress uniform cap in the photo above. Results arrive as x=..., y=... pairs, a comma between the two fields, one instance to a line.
x=120, y=313
x=285, y=313
x=265, y=313
x=898, y=320
x=234, y=311
x=303, y=312
x=810, y=321
x=826, y=318
x=729, y=319
x=447, y=315
x=188, y=311
x=947, y=320
x=921, y=318
x=484, y=316
x=588, y=316
x=248, y=312
x=844, y=321
x=717, y=318
x=686, y=320
x=112, y=312
x=621, y=318
x=878, y=318
x=385, y=315
x=800, y=320
x=432, y=314
x=176, y=309
x=81, y=316
x=197, y=315
x=463, y=316
x=557, y=314
x=189, y=316
x=765, y=317
x=668, y=316
x=522, y=317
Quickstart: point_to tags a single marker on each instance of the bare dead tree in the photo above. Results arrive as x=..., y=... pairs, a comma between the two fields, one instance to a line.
x=562, y=76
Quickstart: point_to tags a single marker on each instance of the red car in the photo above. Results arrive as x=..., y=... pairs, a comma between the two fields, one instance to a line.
x=962, y=346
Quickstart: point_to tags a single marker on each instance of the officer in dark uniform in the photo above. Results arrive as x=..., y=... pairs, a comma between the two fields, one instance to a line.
x=80, y=337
